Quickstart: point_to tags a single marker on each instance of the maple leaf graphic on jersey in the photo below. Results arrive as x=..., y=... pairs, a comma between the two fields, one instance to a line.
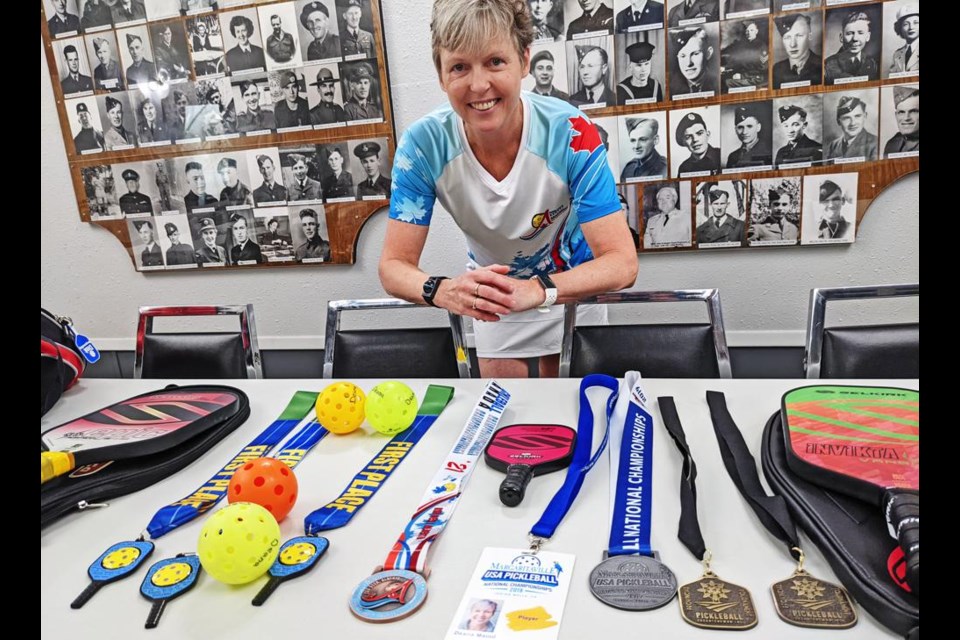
x=584, y=135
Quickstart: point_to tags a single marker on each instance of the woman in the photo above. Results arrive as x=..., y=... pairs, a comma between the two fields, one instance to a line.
x=526, y=179
x=480, y=617
x=149, y=127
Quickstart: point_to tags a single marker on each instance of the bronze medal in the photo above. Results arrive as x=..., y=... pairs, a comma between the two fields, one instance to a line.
x=712, y=603
x=810, y=602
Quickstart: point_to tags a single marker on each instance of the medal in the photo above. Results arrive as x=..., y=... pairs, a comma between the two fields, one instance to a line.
x=631, y=575
x=801, y=599
x=399, y=588
x=709, y=602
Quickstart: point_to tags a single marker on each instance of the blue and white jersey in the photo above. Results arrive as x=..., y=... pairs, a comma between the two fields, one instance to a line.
x=531, y=219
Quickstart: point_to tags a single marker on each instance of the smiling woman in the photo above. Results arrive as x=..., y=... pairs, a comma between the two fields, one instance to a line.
x=526, y=179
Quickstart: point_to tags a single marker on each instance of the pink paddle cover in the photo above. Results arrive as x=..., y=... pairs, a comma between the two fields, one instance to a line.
x=531, y=444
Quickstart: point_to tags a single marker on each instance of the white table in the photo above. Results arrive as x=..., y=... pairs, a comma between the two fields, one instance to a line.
x=315, y=606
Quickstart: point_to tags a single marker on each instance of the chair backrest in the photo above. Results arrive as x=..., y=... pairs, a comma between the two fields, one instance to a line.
x=214, y=355
x=865, y=351
x=656, y=350
x=439, y=352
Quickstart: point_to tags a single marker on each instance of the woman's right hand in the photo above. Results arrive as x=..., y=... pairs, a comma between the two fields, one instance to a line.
x=484, y=294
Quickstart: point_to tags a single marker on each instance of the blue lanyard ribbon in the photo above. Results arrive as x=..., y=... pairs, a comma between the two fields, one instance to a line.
x=582, y=461
x=631, y=472
x=368, y=481
x=213, y=490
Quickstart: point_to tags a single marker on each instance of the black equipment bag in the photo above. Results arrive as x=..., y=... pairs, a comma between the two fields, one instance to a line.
x=61, y=363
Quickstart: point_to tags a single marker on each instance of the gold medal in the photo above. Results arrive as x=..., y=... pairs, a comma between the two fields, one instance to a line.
x=712, y=603
x=807, y=601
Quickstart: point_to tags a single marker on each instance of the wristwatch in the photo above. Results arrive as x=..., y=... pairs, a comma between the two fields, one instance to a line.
x=550, y=290
x=430, y=288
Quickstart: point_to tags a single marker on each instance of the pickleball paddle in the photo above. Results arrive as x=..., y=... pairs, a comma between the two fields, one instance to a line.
x=863, y=442
x=143, y=425
x=523, y=451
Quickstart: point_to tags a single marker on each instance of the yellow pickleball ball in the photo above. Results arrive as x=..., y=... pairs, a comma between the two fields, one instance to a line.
x=340, y=407
x=239, y=543
x=391, y=407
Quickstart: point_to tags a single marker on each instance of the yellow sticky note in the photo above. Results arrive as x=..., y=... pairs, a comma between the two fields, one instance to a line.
x=530, y=619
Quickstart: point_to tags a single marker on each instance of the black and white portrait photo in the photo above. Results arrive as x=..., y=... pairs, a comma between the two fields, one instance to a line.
x=232, y=176
x=147, y=253
x=588, y=18
x=901, y=42
x=684, y=13
x=265, y=177
x=774, y=211
x=747, y=136
x=745, y=55
x=548, y=77
x=214, y=117
x=243, y=42
x=796, y=50
x=640, y=67
x=127, y=12
x=254, y=105
x=135, y=191
x=160, y=9
x=829, y=208
x=198, y=183
x=73, y=67
x=176, y=242
x=208, y=240
x=63, y=18
x=102, y=54
x=666, y=215
x=628, y=202
x=273, y=232
x=608, y=128
x=695, y=143
x=175, y=106
x=745, y=8
x=547, y=18
x=850, y=125
x=278, y=27
x=119, y=124
x=854, y=36
x=694, y=61
x=301, y=171
x=152, y=130
x=362, y=101
x=638, y=15
x=325, y=96
x=170, y=51
x=590, y=73
x=101, y=191
x=319, y=31
x=798, y=131
x=159, y=177
x=900, y=121
x=136, y=55
x=311, y=238
x=206, y=45
x=370, y=165
x=291, y=111
x=355, y=22
x=85, y=127
x=336, y=179
x=94, y=15
x=195, y=7
x=721, y=213
x=241, y=243
x=643, y=147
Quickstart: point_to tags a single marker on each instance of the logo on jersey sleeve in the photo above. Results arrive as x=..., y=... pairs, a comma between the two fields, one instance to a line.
x=542, y=220
x=584, y=135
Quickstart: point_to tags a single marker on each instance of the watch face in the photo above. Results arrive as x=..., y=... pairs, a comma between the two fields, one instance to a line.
x=430, y=286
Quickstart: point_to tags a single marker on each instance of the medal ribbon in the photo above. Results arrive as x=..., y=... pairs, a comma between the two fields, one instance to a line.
x=213, y=490
x=440, y=499
x=689, y=529
x=631, y=471
x=368, y=481
x=582, y=461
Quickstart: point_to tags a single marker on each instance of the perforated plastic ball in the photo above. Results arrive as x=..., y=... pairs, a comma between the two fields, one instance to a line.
x=239, y=543
x=340, y=407
x=391, y=407
x=266, y=482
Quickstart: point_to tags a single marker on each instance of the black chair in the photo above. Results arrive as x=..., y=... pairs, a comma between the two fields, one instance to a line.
x=214, y=355
x=864, y=351
x=432, y=352
x=655, y=350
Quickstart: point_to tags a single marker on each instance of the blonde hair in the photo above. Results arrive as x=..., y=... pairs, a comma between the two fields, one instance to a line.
x=467, y=25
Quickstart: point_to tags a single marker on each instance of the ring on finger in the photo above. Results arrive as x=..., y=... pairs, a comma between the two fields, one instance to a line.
x=475, y=300
x=476, y=292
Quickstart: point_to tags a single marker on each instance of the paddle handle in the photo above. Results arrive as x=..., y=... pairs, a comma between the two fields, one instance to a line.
x=903, y=518
x=55, y=463
x=514, y=486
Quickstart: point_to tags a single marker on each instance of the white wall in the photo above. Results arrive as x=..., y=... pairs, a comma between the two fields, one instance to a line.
x=86, y=274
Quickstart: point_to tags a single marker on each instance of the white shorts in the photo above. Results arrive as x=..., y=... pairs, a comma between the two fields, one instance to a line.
x=530, y=334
